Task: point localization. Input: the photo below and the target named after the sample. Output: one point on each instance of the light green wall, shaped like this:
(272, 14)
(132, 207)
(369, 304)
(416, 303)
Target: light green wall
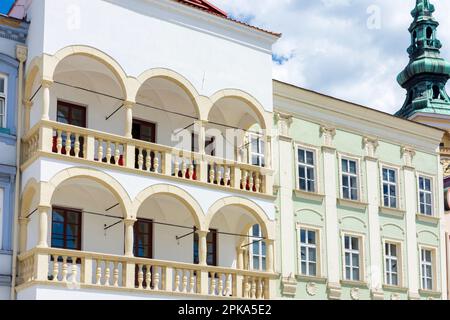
(392, 227)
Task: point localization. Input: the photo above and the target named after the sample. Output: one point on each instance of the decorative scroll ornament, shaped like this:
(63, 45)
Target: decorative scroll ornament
(311, 289)
(370, 145)
(328, 135)
(408, 155)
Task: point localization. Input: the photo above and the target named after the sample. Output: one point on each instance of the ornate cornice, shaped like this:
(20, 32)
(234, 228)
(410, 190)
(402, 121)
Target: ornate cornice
(13, 29)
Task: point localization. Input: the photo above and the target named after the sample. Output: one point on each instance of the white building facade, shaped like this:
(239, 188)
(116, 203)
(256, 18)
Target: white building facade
(131, 188)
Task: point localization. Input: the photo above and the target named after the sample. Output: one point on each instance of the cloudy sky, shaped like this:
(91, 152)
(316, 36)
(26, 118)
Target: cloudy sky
(338, 47)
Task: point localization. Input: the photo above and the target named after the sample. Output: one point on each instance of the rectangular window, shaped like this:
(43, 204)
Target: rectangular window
(425, 196)
(308, 252)
(3, 88)
(143, 239)
(389, 188)
(70, 113)
(349, 179)
(145, 131)
(306, 170)
(352, 258)
(426, 263)
(258, 249)
(74, 115)
(257, 151)
(211, 248)
(66, 228)
(391, 257)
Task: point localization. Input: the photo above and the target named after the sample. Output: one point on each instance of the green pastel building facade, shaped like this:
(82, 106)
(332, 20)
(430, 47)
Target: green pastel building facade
(359, 201)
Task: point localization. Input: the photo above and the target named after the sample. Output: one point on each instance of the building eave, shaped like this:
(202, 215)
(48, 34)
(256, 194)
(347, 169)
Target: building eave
(359, 114)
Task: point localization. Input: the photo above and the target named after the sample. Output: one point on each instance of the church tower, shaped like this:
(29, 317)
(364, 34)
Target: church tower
(427, 73)
(425, 77)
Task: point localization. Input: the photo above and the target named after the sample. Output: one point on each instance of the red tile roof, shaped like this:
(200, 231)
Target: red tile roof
(205, 6)
(209, 8)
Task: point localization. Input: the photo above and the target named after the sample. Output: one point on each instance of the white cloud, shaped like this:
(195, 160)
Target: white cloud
(333, 50)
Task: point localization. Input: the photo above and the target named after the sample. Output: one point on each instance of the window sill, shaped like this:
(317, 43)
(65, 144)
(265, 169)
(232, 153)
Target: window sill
(429, 293)
(309, 195)
(392, 212)
(357, 284)
(317, 279)
(352, 204)
(399, 289)
(427, 219)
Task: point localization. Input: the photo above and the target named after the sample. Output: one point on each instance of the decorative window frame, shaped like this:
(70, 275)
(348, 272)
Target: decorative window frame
(360, 181)
(400, 254)
(434, 196)
(75, 103)
(317, 161)
(434, 258)
(263, 141)
(250, 251)
(399, 185)
(4, 95)
(319, 253)
(362, 255)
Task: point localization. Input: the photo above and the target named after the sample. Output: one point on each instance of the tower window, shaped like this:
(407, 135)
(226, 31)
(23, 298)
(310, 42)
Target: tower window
(429, 33)
(436, 92)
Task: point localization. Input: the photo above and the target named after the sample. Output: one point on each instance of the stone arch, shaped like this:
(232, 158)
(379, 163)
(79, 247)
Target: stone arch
(180, 194)
(48, 189)
(34, 71)
(30, 191)
(253, 103)
(185, 84)
(250, 206)
(50, 63)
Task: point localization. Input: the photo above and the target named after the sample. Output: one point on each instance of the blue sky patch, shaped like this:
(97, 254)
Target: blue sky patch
(5, 6)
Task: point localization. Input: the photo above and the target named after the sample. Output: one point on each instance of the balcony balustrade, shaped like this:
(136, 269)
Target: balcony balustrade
(84, 270)
(80, 144)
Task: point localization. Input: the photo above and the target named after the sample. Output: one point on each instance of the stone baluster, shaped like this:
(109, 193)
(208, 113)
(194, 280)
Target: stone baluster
(156, 277)
(228, 290)
(183, 168)
(116, 274)
(59, 142)
(100, 150)
(176, 168)
(140, 158)
(55, 268)
(244, 179)
(68, 143)
(64, 269)
(156, 163)
(177, 280)
(192, 282)
(77, 145)
(148, 161)
(116, 153)
(107, 273)
(148, 277)
(98, 273)
(108, 152)
(74, 270)
(140, 276)
(250, 181)
(212, 174)
(220, 288)
(213, 283)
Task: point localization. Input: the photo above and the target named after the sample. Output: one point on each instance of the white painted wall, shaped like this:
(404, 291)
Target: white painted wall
(44, 169)
(54, 293)
(166, 247)
(142, 35)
